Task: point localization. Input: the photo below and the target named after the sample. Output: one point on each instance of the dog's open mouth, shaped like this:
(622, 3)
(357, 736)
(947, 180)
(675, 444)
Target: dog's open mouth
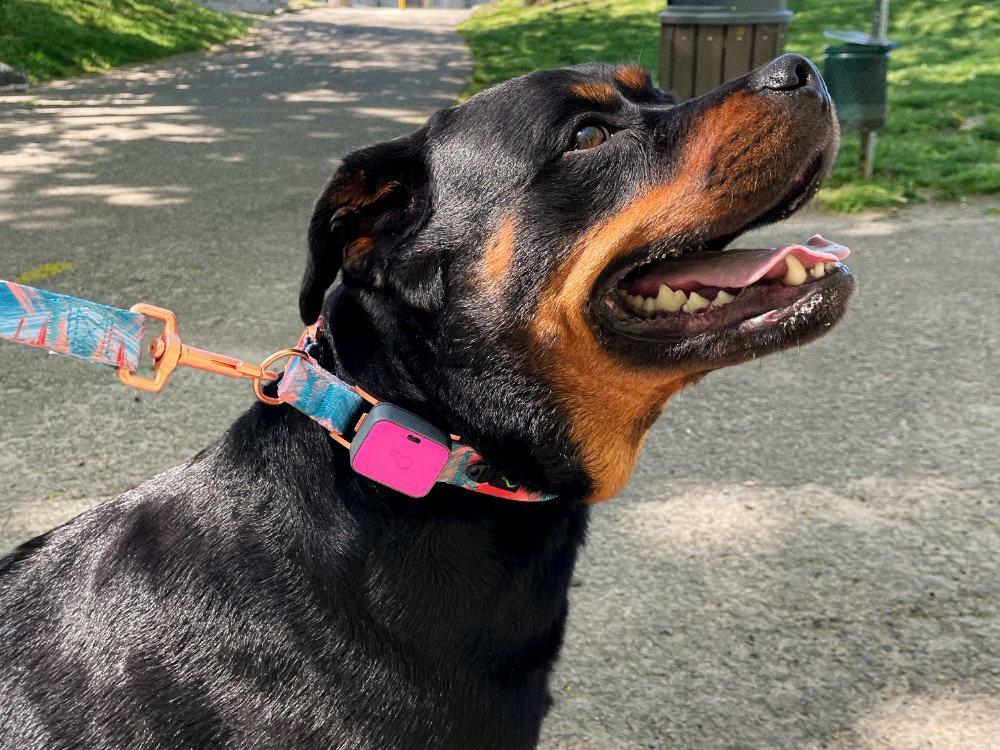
(672, 294)
(710, 290)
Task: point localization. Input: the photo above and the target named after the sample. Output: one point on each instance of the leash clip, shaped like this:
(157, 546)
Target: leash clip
(169, 353)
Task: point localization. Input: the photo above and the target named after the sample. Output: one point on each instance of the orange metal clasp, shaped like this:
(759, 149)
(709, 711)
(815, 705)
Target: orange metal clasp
(168, 353)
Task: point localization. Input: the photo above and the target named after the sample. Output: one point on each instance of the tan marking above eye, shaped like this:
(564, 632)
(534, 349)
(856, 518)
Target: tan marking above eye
(633, 77)
(597, 92)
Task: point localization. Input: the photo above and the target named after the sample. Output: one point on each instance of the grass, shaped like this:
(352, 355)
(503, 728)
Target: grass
(43, 271)
(60, 38)
(943, 136)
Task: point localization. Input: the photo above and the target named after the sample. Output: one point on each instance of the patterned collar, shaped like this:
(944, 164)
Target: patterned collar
(388, 444)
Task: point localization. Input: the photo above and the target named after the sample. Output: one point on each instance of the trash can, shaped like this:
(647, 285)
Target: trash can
(708, 42)
(856, 76)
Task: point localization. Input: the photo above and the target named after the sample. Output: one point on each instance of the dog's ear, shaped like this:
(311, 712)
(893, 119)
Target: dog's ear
(374, 199)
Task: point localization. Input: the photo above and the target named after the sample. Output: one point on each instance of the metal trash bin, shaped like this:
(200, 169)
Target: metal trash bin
(856, 75)
(708, 42)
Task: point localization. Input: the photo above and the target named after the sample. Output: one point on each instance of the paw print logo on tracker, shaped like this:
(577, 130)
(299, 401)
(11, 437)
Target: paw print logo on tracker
(403, 462)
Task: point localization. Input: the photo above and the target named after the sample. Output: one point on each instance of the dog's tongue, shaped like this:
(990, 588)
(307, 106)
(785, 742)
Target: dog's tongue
(734, 269)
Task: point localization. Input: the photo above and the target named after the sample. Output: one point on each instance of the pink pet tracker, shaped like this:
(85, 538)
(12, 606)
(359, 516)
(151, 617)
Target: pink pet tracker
(400, 450)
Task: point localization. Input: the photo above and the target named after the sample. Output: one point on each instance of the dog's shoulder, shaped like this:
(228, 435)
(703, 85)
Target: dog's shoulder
(149, 620)
(65, 574)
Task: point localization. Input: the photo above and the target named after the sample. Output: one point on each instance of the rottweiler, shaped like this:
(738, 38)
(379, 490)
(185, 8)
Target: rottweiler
(538, 270)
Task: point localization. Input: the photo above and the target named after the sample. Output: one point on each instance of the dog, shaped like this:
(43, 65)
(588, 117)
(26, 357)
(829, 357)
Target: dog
(538, 269)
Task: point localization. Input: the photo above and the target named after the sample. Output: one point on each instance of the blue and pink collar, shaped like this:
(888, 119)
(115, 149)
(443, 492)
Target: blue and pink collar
(387, 444)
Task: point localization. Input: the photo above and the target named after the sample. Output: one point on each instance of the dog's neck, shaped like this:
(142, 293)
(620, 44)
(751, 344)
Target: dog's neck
(361, 352)
(391, 356)
(468, 591)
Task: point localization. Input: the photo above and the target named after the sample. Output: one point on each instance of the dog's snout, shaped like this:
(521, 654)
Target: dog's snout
(788, 73)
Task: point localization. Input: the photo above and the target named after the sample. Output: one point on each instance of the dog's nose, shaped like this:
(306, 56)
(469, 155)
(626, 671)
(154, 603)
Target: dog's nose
(788, 73)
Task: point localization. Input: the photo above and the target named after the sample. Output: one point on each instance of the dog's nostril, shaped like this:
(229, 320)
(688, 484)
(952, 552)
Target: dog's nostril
(787, 73)
(801, 75)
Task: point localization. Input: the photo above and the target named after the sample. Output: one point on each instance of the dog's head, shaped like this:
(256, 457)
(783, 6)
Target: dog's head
(540, 268)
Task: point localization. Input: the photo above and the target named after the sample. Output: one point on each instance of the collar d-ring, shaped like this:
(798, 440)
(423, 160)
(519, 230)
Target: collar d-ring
(263, 368)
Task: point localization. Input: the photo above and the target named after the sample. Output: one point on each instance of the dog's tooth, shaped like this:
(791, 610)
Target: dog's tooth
(648, 305)
(634, 301)
(796, 273)
(722, 298)
(622, 293)
(830, 266)
(695, 302)
(664, 297)
(817, 271)
(667, 299)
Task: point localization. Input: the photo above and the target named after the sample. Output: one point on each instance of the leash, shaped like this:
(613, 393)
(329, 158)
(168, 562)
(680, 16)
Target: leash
(387, 444)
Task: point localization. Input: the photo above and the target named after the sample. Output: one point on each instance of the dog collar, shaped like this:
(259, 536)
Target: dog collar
(387, 444)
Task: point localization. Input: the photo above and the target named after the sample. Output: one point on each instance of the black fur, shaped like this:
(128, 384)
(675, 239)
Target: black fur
(262, 595)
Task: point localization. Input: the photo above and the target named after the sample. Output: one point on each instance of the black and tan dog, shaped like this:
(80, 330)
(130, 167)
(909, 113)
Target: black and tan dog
(518, 271)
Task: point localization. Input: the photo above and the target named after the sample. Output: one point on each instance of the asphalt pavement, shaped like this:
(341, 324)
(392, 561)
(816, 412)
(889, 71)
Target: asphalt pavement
(809, 553)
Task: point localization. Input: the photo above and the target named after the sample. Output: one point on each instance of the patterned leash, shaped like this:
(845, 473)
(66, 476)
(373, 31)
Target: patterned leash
(112, 336)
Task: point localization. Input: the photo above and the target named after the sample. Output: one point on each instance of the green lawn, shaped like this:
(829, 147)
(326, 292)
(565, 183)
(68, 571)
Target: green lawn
(943, 137)
(59, 38)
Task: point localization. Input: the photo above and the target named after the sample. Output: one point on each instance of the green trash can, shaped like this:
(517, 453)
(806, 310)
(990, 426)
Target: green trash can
(707, 42)
(856, 75)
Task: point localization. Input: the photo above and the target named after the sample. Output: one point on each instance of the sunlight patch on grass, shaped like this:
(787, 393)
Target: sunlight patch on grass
(59, 38)
(943, 136)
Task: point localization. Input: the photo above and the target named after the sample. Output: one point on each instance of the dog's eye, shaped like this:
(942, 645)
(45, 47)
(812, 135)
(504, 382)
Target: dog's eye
(590, 136)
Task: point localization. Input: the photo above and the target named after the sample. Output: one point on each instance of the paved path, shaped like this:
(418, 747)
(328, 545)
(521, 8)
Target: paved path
(809, 556)
(190, 186)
